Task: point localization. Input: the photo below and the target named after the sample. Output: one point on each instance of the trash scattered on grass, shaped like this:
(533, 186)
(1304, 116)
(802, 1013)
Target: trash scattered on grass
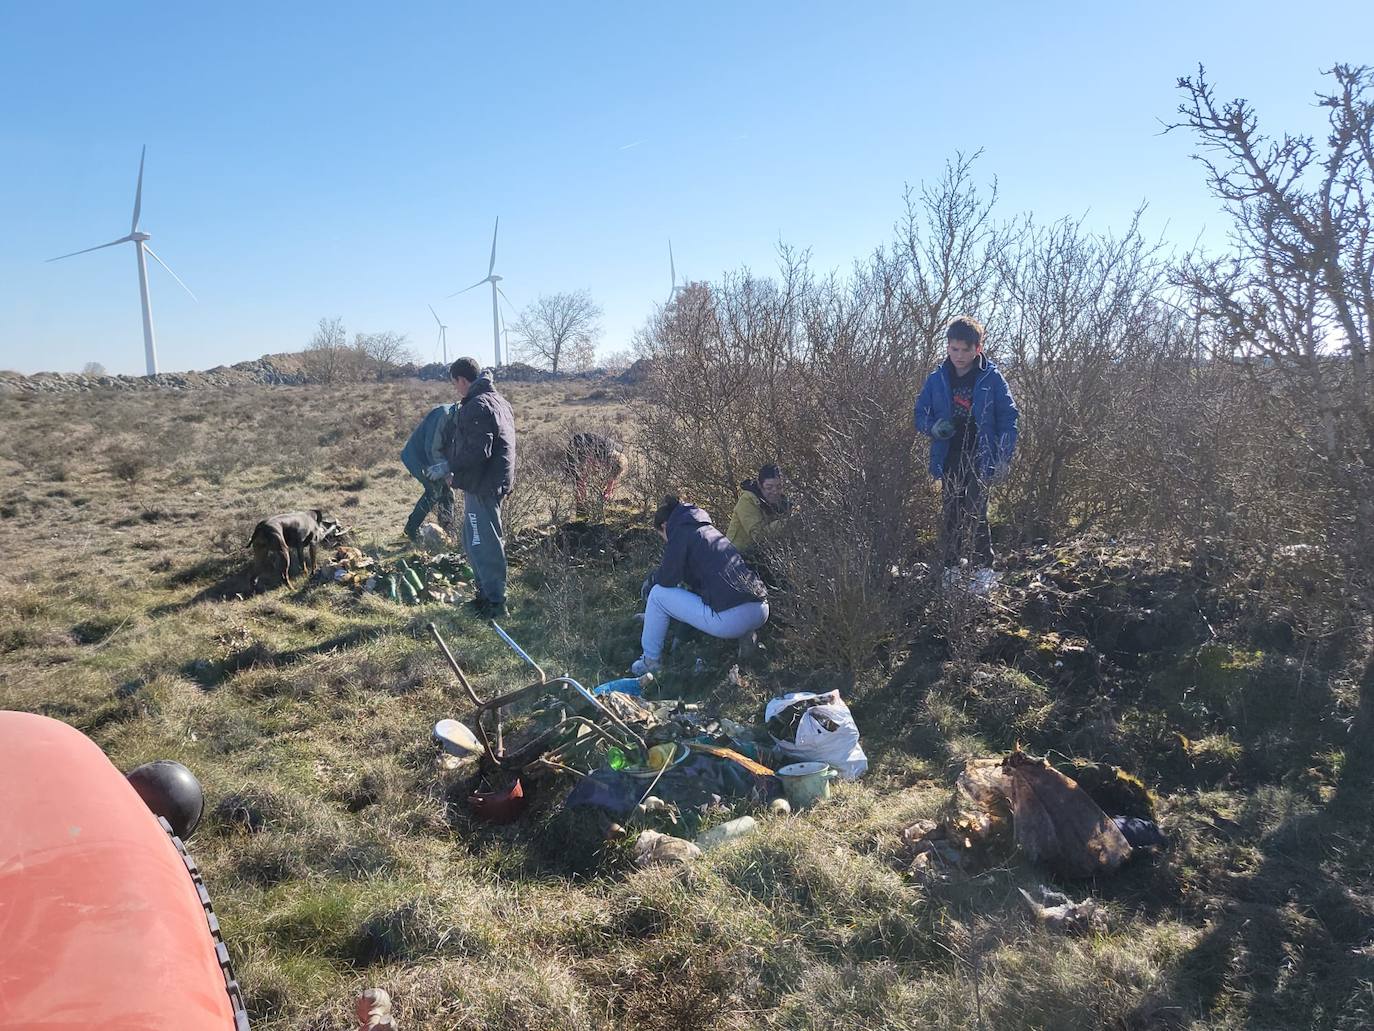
(731, 830)
(411, 580)
(636, 760)
(1059, 824)
(373, 1010)
(819, 727)
(806, 783)
(433, 539)
(653, 847)
(1059, 914)
(1024, 802)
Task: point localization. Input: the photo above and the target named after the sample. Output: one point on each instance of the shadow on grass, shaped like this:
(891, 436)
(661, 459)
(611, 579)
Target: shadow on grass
(210, 674)
(1292, 938)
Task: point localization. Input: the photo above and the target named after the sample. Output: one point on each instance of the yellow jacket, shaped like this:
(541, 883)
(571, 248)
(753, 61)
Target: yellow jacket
(750, 523)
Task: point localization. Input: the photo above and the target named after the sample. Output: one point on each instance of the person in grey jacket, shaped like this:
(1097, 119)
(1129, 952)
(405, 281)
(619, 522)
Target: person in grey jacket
(423, 457)
(481, 459)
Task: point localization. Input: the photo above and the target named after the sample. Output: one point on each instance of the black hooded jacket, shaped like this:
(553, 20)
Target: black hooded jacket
(702, 558)
(482, 453)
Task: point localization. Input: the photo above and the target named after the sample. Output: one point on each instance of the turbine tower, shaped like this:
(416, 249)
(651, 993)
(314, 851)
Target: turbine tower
(672, 270)
(443, 332)
(140, 241)
(493, 279)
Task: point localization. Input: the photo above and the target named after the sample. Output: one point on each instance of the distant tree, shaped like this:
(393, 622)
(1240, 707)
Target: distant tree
(618, 361)
(328, 358)
(559, 330)
(385, 351)
(92, 369)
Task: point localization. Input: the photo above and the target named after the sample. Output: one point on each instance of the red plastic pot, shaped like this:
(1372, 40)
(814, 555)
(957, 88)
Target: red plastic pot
(504, 806)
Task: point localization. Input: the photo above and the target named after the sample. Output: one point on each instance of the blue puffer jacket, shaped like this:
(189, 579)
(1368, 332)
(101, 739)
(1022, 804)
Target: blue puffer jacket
(994, 411)
(426, 445)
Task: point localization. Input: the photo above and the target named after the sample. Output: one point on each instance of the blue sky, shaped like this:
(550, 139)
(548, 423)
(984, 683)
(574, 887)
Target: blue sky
(349, 159)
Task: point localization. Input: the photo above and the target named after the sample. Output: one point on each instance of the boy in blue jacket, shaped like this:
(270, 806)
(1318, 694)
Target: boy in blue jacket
(966, 408)
(423, 457)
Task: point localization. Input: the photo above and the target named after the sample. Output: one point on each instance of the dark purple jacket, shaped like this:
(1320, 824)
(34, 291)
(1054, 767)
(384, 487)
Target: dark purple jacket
(703, 560)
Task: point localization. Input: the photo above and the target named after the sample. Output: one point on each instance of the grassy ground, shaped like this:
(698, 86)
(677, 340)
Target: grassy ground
(339, 857)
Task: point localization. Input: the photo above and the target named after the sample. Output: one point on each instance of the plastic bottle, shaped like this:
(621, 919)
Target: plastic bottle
(729, 831)
(626, 685)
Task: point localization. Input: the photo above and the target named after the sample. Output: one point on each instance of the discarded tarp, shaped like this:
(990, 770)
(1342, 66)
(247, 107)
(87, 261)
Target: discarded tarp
(698, 780)
(1022, 800)
(1057, 823)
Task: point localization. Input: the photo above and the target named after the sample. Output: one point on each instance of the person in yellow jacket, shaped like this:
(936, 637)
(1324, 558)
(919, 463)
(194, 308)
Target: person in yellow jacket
(759, 511)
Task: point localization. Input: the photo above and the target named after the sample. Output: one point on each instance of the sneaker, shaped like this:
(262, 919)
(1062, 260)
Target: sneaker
(644, 665)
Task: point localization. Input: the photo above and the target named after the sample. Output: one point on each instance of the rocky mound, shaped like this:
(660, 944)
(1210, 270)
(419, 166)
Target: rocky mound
(270, 369)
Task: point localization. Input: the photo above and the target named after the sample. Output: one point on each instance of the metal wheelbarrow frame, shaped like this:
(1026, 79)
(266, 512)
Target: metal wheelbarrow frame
(549, 748)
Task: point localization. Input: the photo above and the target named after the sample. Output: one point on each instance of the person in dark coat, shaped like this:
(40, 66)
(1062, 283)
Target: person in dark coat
(702, 581)
(481, 460)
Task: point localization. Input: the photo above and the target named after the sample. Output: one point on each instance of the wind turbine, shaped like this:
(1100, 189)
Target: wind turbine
(140, 241)
(672, 269)
(493, 279)
(443, 331)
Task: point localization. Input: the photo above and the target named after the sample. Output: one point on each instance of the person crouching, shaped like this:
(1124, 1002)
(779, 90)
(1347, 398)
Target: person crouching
(591, 461)
(760, 510)
(719, 594)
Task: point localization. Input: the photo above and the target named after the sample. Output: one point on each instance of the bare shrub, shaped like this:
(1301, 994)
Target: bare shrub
(537, 485)
(820, 376)
(385, 352)
(129, 463)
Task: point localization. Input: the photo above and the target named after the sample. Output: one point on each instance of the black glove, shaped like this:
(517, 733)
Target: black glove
(943, 429)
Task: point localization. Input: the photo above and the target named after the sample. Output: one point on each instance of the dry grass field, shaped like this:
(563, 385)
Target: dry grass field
(339, 857)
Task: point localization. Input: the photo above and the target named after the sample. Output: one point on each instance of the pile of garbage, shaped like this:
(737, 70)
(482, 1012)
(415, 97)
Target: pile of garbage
(1024, 803)
(412, 580)
(661, 765)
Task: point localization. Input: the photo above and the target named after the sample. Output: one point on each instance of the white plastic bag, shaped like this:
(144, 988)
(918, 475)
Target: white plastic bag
(816, 740)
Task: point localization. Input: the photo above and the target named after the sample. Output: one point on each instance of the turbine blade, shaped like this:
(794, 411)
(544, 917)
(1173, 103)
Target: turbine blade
(505, 298)
(138, 193)
(122, 239)
(672, 268)
(171, 273)
(473, 287)
(436, 315)
(492, 267)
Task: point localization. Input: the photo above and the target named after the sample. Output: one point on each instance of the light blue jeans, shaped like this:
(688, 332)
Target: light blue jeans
(668, 603)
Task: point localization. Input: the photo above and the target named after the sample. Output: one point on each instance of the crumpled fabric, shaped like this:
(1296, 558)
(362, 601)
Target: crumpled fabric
(690, 783)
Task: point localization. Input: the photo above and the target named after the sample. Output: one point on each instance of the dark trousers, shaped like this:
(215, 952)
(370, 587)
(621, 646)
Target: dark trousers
(438, 496)
(964, 498)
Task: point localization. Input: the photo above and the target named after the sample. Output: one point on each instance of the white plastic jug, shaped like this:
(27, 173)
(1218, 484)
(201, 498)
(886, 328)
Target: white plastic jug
(729, 831)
